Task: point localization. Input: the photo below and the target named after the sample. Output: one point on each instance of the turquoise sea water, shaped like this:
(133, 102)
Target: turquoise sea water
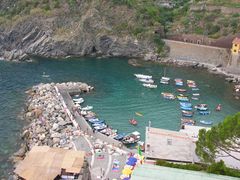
(117, 96)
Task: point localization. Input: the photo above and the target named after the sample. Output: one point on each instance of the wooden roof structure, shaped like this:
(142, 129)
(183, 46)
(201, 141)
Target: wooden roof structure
(43, 162)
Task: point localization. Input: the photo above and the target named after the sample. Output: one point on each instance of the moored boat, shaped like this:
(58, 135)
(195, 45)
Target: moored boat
(133, 122)
(143, 76)
(169, 96)
(181, 90)
(120, 136)
(195, 89)
(196, 94)
(183, 98)
(186, 121)
(165, 80)
(206, 122)
(87, 108)
(195, 98)
(150, 85)
(202, 107)
(131, 138)
(78, 100)
(186, 108)
(148, 81)
(185, 104)
(187, 113)
(219, 107)
(204, 112)
(100, 127)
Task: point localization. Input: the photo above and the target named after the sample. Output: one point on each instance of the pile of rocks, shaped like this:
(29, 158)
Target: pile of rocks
(49, 123)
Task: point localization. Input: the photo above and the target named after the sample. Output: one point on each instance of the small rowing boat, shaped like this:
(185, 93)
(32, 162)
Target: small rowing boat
(186, 121)
(196, 94)
(138, 114)
(204, 112)
(187, 113)
(133, 122)
(181, 90)
(195, 98)
(183, 98)
(165, 80)
(195, 89)
(186, 108)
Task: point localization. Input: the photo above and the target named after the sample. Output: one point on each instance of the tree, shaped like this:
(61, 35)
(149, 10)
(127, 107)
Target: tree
(223, 139)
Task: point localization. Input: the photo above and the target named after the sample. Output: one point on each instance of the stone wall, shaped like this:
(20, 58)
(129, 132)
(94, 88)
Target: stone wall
(198, 53)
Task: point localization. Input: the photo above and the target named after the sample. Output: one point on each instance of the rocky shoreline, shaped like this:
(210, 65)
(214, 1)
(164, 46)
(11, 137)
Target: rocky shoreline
(49, 123)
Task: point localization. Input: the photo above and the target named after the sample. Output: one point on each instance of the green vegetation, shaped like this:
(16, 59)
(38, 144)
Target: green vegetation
(142, 19)
(221, 138)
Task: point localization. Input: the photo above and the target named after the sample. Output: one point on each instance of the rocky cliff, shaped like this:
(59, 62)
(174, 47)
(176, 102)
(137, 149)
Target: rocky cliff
(88, 28)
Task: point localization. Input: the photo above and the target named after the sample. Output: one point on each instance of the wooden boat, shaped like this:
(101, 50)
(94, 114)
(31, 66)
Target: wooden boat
(131, 138)
(150, 85)
(169, 96)
(186, 121)
(187, 113)
(202, 107)
(181, 90)
(204, 112)
(206, 122)
(143, 76)
(133, 122)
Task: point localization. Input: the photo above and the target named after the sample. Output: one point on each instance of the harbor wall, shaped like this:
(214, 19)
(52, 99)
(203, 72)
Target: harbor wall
(198, 53)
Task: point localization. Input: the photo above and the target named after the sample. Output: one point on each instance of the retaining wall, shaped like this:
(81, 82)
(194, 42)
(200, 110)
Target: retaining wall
(198, 53)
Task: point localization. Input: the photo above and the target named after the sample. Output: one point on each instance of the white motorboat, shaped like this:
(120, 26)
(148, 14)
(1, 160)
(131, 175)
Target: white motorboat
(78, 100)
(149, 85)
(87, 108)
(142, 76)
(83, 112)
(131, 138)
(149, 81)
(165, 80)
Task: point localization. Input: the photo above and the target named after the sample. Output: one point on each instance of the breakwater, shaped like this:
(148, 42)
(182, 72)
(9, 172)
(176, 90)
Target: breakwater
(50, 123)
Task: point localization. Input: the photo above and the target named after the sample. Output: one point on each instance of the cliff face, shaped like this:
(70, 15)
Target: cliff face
(87, 29)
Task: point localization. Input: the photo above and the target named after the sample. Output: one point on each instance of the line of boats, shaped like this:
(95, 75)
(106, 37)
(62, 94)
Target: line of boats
(147, 80)
(100, 125)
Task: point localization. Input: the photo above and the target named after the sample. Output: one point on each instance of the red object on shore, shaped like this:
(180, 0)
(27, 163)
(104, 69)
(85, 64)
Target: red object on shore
(219, 107)
(133, 122)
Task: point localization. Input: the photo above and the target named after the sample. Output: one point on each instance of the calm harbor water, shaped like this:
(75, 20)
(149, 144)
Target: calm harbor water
(117, 96)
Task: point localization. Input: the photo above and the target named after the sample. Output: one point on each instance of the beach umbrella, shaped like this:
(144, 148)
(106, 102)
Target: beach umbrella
(126, 171)
(133, 159)
(131, 163)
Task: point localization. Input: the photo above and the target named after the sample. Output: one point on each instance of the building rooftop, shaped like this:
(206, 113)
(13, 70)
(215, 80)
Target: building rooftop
(170, 145)
(153, 172)
(43, 162)
(236, 40)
